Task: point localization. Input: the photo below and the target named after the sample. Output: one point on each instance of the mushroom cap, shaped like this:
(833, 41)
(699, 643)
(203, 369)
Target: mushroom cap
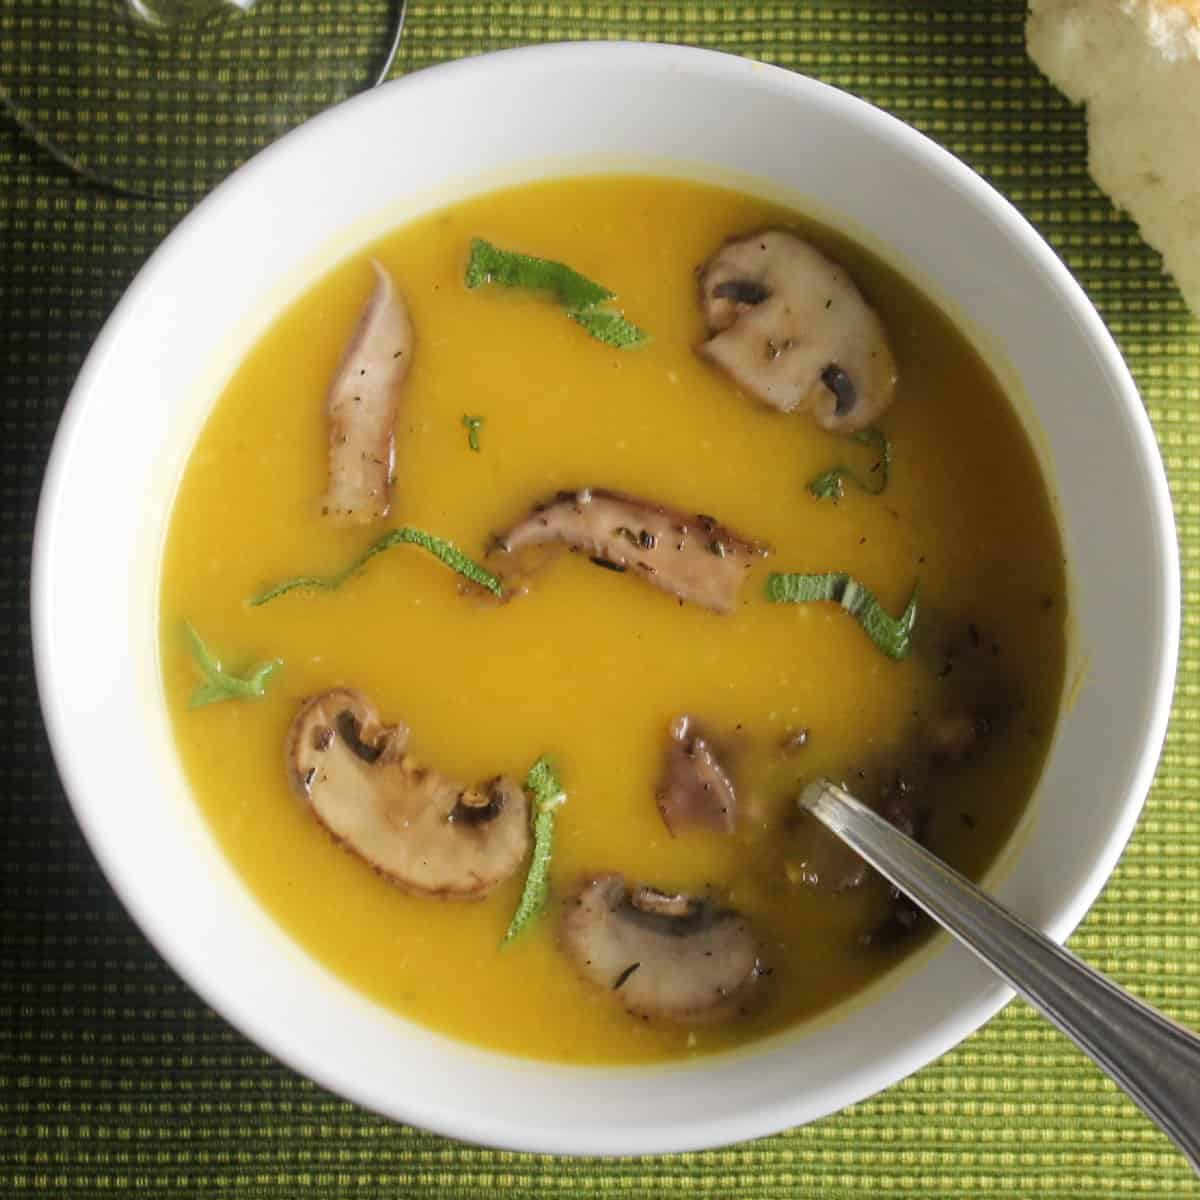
(423, 831)
(788, 324)
(690, 555)
(666, 957)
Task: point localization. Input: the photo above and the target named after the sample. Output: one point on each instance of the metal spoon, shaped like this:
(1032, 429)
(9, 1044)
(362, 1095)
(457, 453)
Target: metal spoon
(1150, 1057)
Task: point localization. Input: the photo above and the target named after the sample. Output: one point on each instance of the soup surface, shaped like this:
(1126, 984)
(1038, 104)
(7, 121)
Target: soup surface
(590, 666)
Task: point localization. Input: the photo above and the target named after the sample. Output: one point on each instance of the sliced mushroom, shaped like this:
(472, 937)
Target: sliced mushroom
(977, 700)
(690, 555)
(360, 408)
(789, 325)
(819, 859)
(666, 957)
(695, 790)
(420, 829)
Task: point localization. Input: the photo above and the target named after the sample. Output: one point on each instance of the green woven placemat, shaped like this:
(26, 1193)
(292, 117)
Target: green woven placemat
(157, 107)
(116, 1081)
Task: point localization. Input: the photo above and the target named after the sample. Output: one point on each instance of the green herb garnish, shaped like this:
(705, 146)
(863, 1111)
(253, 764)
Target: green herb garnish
(578, 295)
(829, 485)
(608, 327)
(472, 425)
(220, 684)
(893, 635)
(547, 796)
(441, 549)
(490, 264)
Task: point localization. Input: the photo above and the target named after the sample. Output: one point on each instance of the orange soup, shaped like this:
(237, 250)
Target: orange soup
(698, 613)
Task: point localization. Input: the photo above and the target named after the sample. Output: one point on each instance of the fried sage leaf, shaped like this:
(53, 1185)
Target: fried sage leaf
(578, 295)
(828, 485)
(547, 795)
(472, 425)
(893, 635)
(220, 684)
(444, 551)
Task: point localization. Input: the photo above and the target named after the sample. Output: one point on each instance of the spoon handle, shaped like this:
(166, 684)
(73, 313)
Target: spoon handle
(1154, 1060)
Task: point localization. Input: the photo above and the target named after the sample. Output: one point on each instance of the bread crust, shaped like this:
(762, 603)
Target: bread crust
(1135, 64)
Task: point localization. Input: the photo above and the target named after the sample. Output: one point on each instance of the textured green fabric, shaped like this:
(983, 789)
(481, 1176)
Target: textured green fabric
(176, 105)
(116, 1082)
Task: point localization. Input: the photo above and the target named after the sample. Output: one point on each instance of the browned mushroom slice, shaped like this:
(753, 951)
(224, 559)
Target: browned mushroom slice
(819, 859)
(423, 831)
(695, 791)
(690, 555)
(789, 325)
(360, 408)
(666, 957)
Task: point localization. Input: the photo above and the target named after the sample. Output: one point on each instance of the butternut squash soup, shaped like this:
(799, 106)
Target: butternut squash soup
(535, 560)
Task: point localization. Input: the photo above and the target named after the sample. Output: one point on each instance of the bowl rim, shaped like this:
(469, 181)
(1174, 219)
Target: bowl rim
(506, 1130)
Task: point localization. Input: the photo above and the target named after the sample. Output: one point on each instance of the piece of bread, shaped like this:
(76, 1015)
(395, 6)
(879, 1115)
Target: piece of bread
(1136, 65)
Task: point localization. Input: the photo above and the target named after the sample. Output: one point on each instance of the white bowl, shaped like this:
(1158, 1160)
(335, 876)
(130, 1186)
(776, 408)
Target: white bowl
(254, 244)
